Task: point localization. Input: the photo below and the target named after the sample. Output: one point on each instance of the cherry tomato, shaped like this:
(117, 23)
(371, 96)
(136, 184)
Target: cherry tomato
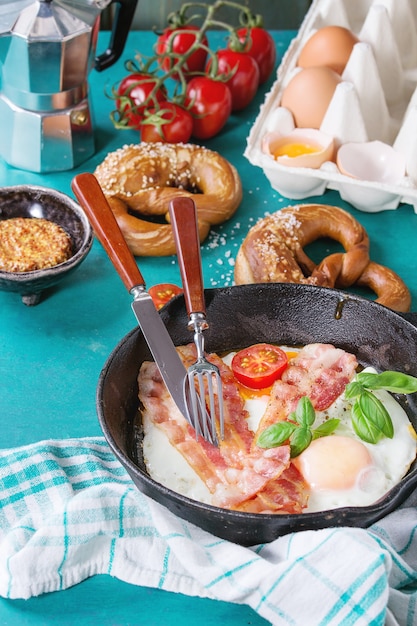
(133, 91)
(210, 103)
(244, 82)
(163, 293)
(260, 47)
(260, 365)
(178, 41)
(170, 124)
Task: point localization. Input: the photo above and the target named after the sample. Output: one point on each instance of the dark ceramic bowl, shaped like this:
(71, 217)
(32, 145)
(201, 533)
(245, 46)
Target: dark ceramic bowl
(238, 316)
(33, 201)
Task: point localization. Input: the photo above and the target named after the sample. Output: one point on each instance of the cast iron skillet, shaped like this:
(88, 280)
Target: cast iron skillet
(289, 314)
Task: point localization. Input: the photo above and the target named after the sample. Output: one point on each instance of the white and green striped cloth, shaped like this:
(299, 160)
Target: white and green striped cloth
(68, 510)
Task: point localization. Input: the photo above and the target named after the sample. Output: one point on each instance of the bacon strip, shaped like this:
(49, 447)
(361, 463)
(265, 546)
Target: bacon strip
(319, 371)
(234, 472)
(239, 474)
(287, 495)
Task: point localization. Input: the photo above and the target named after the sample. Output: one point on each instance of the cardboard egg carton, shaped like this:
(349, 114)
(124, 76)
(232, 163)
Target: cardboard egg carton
(376, 100)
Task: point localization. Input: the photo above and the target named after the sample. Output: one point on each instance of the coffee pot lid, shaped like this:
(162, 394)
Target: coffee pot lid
(45, 20)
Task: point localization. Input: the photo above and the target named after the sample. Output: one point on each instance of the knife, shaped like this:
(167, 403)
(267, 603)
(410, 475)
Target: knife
(92, 199)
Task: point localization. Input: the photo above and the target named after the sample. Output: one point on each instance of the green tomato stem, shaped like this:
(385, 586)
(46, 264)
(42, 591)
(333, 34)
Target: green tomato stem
(151, 66)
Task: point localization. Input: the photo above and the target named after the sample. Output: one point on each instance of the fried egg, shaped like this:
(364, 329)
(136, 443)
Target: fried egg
(343, 470)
(340, 469)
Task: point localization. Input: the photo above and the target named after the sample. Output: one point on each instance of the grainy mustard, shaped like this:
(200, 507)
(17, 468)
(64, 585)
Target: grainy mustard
(28, 244)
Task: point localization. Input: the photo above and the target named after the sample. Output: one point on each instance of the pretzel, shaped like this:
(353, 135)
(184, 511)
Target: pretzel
(273, 249)
(388, 286)
(273, 252)
(140, 180)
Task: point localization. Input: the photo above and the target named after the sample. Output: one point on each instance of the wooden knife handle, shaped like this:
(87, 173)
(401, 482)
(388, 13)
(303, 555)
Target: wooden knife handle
(92, 199)
(183, 216)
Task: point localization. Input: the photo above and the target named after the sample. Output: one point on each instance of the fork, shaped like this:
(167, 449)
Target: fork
(204, 382)
(90, 195)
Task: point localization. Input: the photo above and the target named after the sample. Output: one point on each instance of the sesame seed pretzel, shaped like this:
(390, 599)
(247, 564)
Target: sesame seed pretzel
(140, 180)
(273, 252)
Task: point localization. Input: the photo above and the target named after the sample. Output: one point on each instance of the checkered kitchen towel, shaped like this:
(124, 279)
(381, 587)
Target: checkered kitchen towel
(68, 511)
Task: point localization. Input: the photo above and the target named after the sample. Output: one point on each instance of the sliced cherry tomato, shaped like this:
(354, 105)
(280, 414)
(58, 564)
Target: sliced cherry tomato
(134, 90)
(163, 293)
(261, 47)
(176, 42)
(170, 124)
(260, 365)
(210, 103)
(244, 80)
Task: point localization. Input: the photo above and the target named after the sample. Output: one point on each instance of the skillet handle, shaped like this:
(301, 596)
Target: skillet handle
(183, 216)
(92, 199)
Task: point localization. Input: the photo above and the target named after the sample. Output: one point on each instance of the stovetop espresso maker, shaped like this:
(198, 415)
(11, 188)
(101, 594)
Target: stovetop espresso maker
(47, 49)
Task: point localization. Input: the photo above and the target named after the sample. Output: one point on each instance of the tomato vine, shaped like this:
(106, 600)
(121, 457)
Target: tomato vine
(182, 55)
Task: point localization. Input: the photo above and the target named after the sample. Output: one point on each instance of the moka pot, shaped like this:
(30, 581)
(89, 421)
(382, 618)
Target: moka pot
(47, 49)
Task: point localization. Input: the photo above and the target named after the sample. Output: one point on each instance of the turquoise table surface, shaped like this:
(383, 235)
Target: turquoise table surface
(51, 355)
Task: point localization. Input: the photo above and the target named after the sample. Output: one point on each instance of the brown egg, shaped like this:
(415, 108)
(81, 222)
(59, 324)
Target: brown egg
(308, 95)
(330, 46)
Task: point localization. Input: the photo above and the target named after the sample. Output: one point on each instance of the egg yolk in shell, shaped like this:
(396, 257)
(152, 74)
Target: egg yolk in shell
(296, 149)
(334, 462)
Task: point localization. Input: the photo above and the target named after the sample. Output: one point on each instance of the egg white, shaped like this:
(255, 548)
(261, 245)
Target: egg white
(391, 458)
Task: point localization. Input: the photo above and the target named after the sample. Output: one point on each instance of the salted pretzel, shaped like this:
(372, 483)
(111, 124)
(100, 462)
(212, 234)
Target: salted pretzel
(388, 286)
(140, 180)
(273, 249)
(273, 252)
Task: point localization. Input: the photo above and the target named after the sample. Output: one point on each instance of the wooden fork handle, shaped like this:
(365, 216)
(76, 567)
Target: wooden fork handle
(92, 199)
(183, 216)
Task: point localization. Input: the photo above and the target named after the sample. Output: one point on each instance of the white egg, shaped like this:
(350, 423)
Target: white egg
(341, 469)
(167, 466)
(255, 408)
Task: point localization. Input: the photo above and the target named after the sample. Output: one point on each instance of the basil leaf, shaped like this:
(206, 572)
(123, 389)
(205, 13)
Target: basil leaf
(300, 440)
(364, 428)
(305, 413)
(327, 428)
(373, 408)
(276, 434)
(370, 419)
(395, 382)
(353, 389)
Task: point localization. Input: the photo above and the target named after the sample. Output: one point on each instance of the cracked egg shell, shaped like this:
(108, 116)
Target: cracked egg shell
(301, 148)
(372, 161)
